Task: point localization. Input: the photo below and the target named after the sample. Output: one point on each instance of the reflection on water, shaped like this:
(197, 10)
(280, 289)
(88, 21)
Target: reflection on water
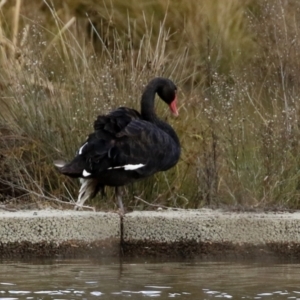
(136, 279)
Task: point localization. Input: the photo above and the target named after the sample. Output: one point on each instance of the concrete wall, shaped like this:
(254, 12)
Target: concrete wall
(184, 233)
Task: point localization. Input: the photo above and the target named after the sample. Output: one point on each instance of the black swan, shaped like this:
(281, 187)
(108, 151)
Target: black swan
(126, 146)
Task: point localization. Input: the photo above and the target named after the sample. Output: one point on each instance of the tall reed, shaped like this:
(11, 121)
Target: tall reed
(237, 69)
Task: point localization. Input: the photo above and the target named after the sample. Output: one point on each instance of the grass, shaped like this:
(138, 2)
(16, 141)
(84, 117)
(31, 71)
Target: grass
(236, 67)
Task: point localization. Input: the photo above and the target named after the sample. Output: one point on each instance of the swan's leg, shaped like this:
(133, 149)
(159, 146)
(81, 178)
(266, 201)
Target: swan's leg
(119, 194)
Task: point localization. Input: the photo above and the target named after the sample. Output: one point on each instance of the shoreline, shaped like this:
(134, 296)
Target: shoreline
(166, 233)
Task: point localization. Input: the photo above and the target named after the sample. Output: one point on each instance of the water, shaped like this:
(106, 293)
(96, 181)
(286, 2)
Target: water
(140, 279)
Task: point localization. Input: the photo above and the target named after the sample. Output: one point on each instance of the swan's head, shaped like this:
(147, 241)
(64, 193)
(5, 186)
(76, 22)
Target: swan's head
(168, 93)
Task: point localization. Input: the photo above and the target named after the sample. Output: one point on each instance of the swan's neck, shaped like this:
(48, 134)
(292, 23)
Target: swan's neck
(148, 111)
(147, 105)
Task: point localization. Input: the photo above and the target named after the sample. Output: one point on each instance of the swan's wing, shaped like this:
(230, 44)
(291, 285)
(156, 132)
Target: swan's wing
(115, 121)
(138, 146)
(143, 143)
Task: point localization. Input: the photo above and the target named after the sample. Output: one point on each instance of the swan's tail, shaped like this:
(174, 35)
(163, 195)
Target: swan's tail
(73, 169)
(89, 187)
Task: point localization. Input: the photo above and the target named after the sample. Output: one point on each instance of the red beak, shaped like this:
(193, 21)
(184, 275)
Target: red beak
(173, 107)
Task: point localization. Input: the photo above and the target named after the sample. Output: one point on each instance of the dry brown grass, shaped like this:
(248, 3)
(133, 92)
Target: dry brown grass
(237, 68)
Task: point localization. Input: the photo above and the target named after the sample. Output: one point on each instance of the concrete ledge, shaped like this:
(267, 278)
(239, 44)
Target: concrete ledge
(58, 233)
(184, 233)
(211, 232)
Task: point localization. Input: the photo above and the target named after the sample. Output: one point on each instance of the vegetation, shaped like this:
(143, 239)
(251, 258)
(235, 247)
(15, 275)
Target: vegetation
(236, 64)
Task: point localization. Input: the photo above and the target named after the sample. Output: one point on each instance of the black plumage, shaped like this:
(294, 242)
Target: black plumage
(126, 145)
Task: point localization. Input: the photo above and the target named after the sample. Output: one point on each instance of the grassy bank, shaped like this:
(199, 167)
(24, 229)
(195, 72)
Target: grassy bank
(236, 67)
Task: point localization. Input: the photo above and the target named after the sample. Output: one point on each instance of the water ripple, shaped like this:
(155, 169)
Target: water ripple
(161, 280)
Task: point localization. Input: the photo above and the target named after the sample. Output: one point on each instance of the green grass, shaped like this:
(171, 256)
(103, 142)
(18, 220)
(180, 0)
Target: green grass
(237, 70)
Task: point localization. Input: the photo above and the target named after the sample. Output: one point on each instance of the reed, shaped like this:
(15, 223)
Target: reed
(237, 69)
